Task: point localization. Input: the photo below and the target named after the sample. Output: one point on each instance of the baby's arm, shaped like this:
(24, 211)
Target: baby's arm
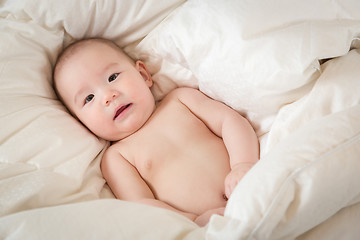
(238, 135)
(127, 184)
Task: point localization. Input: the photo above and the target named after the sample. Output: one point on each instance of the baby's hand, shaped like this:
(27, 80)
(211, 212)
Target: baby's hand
(232, 179)
(204, 218)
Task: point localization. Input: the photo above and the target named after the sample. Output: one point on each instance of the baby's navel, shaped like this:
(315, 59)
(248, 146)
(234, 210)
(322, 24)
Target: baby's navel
(225, 197)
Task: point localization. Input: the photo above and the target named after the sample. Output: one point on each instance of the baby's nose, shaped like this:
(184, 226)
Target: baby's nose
(109, 97)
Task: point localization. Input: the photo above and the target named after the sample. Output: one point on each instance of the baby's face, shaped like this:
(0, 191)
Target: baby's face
(106, 91)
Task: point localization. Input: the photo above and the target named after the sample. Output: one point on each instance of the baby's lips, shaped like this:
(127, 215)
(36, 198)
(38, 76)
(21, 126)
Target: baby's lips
(120, 110)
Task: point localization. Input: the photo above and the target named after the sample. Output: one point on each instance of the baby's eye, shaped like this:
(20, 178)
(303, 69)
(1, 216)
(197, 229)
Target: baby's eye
(113, 77)
(89, 98)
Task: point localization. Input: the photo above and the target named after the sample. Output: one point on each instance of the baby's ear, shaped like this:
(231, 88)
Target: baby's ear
(141, 67)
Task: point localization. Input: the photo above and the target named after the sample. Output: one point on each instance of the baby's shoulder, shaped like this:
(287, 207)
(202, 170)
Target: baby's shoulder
(181, 93)
(117, 151)
(114, 148)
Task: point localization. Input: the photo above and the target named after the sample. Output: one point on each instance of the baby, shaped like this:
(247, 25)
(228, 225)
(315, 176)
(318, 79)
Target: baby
(185, 153)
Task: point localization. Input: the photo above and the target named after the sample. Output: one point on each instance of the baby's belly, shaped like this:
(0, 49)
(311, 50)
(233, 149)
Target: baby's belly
(192, 180)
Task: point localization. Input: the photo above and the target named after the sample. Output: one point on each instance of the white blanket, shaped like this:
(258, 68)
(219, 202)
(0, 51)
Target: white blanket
(259, 57)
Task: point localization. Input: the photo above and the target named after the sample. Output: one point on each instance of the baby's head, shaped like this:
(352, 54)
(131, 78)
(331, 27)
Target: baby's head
(104, 88)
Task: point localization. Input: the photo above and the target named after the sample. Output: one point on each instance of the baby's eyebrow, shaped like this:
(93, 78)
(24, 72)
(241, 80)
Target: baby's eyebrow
(108, 67)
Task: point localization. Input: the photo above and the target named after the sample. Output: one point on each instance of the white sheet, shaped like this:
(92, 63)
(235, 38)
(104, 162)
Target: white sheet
(263, 64)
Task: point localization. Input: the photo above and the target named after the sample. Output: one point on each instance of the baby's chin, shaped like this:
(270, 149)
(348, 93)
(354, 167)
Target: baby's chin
(115, 134)
(113, 137)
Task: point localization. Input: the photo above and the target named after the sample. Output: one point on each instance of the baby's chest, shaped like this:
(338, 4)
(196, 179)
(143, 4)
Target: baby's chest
(177, 125)
(172, 136)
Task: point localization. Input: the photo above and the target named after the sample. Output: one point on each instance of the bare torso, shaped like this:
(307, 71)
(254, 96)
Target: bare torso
(181, 160)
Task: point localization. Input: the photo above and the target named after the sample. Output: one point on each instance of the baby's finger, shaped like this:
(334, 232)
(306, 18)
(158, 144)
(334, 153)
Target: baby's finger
(233, 185)
(227, 191)
(228, 187)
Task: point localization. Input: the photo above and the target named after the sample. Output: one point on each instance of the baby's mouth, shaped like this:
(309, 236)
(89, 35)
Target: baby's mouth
(121, 109)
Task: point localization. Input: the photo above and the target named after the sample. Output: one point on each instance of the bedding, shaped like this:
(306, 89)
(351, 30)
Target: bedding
(262, 58)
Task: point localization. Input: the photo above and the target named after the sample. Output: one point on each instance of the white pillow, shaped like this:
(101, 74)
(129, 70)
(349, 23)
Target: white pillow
(255, 56)
(47, 157)
(122, 21)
